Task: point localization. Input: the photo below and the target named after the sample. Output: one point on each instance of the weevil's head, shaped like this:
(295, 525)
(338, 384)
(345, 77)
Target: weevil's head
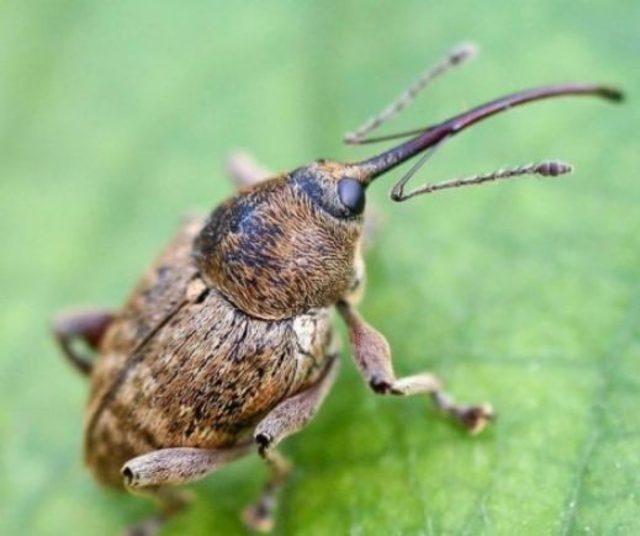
(288, 244)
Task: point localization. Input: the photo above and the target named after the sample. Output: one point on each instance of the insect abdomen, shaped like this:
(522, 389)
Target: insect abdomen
(204, 380)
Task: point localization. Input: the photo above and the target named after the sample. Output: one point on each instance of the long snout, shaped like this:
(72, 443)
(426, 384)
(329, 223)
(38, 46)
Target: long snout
(434, 135)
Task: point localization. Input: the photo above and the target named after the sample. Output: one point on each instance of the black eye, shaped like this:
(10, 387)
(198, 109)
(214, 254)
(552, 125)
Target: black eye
(351, 194)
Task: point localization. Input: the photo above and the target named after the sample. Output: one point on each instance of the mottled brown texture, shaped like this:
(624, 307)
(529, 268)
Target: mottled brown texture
(226, 342)
(283, 246)
(184, 367)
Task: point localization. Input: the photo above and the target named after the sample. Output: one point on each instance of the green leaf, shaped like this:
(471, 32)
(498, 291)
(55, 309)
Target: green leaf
(115, 119)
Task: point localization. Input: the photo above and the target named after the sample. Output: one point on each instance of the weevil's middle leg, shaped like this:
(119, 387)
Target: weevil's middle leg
(287, 418)
(373, 357)
(259, 515)
(88, 326)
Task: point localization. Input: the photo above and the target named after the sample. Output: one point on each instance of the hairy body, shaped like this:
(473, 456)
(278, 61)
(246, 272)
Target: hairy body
(181, 366)
(226, 342)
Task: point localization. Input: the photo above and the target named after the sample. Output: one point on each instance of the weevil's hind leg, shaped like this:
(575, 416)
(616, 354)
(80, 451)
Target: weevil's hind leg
(152, 475)
(88, 326)
(245, 171)
(373, 357)
(287, 418)
(169, 501)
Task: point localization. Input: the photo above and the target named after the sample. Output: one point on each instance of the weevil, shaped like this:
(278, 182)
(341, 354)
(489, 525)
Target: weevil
(226, 344)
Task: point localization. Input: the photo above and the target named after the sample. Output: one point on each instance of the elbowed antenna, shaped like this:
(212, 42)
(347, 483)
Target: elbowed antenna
(548, 168)
(457, 56)
(434, 135)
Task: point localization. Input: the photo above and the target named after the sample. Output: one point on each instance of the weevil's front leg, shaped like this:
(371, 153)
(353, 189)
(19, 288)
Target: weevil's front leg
(287, 418)
(88, 326)
(152, 475)
(373, 357)
(245, 171)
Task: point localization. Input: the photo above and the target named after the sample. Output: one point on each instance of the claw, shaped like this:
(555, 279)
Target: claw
(257, 517)
(476, 418)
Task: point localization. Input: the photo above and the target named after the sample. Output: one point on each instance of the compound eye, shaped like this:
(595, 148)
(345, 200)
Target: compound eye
(351, 193)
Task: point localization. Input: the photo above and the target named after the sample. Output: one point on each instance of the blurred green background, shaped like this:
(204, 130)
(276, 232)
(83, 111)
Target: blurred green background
(115, 119)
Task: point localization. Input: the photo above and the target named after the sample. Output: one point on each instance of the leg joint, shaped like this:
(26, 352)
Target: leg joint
(383, 387)
(264, 442)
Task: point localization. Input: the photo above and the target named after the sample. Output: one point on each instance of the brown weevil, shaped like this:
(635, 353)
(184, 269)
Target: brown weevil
(226, 344)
